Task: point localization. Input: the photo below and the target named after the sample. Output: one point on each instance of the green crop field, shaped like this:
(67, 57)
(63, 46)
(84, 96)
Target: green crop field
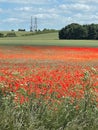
(44, 39)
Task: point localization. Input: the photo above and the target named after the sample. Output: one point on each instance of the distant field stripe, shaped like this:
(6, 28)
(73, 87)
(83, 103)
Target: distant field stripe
(47, 39)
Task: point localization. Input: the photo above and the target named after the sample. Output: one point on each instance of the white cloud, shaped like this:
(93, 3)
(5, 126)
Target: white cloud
(45, 16)
(11, 20)
(26, 8)
(76, 7)
(81, 7)
(80, 1)
(89, 1)
(39, 12)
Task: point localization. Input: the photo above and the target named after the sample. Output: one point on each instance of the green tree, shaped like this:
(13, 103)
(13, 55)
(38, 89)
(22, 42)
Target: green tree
(92, 34)
(1, 35)
(77, 31)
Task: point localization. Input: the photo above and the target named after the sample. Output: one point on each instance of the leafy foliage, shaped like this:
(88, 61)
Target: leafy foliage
(1, 35)
(76, 31)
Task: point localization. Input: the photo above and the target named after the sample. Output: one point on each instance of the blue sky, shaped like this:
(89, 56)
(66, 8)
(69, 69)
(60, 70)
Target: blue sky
(55, 14)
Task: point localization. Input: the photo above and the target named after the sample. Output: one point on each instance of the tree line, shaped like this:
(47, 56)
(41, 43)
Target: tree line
(77, 31)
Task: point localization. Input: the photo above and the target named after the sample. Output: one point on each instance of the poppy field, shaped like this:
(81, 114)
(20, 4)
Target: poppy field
(48, 88)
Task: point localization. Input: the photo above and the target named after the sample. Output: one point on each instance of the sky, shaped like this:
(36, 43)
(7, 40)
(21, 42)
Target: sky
(50, 14)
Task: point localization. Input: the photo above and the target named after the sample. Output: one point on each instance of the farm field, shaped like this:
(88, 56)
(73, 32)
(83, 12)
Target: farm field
(48, 88)
(47, 39)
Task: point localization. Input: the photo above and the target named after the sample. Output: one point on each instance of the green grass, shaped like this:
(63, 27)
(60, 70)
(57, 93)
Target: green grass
(45, 39)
